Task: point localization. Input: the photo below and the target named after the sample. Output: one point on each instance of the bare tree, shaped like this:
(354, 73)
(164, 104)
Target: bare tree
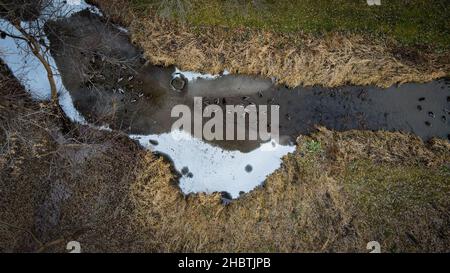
(24, 16)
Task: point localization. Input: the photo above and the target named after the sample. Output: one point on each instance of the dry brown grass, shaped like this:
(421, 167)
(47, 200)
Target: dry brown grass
(42, 166)
(317, 201)
(294, 59)
(335, 193)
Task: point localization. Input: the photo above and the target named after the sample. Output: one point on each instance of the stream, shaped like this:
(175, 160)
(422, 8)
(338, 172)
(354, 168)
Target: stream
(105, 81)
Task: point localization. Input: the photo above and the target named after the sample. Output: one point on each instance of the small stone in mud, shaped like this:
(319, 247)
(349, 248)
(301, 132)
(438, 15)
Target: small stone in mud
(226, 198)
(431, 114)
(226, 195)
(153, 142)
(185, 171)
(190, 175)
(178, 83)
(427, 123)
(249, 168)
(444, 118)
(419, 107)
(422, 99)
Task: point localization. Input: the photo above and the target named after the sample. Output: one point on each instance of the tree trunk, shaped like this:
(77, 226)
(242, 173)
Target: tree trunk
(36, 50)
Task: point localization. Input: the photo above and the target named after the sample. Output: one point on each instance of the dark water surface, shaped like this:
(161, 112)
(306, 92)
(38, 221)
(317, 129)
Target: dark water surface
(110, 82)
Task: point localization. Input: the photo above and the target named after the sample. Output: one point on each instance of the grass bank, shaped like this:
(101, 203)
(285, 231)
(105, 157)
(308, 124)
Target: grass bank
(417, 22)
(338, 46)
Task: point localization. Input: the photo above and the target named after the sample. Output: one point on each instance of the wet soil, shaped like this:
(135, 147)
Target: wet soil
(111, 83)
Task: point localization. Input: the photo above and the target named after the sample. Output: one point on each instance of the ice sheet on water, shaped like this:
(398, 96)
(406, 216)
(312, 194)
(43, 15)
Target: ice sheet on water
(214, 169)
(31, 73)
(192, 76)
(27, 68)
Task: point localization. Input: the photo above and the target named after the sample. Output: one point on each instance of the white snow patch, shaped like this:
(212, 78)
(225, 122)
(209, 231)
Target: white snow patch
(31, 73)
(122, 29)
(27, 68)
(215, 169)
(68, 7)
(192, 76)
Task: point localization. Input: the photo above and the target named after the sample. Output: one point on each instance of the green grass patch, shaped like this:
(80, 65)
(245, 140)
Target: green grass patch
(397, 199)
(395, 188)
(415, 22)
(313, 146)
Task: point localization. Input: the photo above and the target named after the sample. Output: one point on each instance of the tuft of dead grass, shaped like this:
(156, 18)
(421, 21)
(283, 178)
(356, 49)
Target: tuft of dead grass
(292, 58)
